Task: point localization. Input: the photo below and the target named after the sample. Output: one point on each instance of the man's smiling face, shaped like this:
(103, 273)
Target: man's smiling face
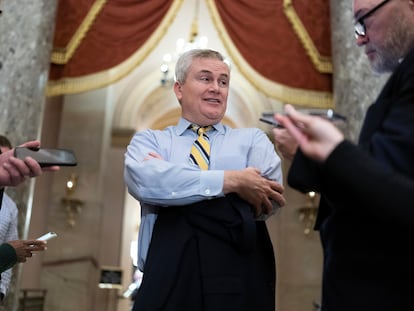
(203, 95)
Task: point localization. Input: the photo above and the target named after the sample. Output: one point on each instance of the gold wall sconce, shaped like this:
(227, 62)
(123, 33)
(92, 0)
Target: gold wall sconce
(307, 213)
(72, 206)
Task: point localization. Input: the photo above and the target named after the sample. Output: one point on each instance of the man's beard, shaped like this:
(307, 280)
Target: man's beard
(394, 48)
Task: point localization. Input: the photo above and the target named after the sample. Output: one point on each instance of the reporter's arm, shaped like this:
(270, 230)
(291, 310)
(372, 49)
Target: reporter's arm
(8, 257)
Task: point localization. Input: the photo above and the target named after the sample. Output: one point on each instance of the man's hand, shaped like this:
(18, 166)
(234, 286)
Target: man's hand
(316, 137)
(285, 143)
(33, 164)
(24, 248)
(14, 171)
(255, 189)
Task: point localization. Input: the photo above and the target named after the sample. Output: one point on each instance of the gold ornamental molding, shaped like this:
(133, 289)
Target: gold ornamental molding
(278, 91)
(322, 63)
(111, 75)
(61, 55)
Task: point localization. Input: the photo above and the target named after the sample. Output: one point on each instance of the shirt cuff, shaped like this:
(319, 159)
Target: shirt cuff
(211, 183)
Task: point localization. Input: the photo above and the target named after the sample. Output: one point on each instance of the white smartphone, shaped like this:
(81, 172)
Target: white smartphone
(47, 236)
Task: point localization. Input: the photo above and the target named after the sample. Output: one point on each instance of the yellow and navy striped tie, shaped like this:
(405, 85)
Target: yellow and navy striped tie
(200, 151)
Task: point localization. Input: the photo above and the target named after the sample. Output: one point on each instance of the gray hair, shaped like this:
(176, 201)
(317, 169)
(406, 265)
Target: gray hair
(185, 60)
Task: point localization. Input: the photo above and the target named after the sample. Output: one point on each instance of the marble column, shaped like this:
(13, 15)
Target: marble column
(355, 84)
(26, 33)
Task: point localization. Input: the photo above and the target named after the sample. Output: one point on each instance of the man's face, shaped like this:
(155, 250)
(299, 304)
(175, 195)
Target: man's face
(203, 95)
(388, 32)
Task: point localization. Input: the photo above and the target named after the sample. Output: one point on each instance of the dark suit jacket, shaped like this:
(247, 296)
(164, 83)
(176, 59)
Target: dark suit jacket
(207, 256)
(367, 223)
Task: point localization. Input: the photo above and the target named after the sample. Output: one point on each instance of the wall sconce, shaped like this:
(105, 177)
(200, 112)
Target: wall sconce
(71, 205)
(307, 213)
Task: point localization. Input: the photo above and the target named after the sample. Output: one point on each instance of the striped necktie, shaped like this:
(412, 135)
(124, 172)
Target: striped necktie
(200, 151)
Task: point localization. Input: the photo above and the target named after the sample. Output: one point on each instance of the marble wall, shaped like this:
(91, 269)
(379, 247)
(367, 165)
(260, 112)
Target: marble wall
(26, 31)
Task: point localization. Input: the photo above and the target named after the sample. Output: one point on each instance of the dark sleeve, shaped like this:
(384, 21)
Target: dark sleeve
(304, 174)
(353, 172)
(8, 257)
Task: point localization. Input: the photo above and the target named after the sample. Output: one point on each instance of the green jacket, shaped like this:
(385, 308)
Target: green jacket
(8, 257)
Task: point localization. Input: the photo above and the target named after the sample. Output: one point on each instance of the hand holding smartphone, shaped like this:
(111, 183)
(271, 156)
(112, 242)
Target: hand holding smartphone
(47, 157)
(44, 237)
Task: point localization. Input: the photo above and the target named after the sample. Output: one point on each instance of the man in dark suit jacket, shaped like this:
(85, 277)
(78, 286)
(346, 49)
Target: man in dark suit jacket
(366, 231)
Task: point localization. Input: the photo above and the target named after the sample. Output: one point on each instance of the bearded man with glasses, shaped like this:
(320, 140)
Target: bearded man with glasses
(366, 225)
(386, 31)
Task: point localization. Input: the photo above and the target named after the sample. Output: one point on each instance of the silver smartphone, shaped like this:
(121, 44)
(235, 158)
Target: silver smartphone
(47, 157)
(328, 114)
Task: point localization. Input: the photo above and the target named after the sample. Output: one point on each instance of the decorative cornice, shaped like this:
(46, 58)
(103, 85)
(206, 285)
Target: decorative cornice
(61, 55)
(107, 77)
(283, 93)
(322, 63)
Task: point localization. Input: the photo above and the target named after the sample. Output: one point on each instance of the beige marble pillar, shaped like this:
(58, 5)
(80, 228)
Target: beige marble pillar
(26, 32)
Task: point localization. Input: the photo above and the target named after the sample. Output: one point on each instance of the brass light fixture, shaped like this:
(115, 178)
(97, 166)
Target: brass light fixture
(307, 213)
(72, 206)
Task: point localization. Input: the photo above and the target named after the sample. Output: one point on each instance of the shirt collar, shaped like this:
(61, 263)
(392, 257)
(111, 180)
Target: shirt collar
(183, 125)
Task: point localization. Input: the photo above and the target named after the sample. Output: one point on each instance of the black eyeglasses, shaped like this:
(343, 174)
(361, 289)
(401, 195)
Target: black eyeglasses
(359, 26)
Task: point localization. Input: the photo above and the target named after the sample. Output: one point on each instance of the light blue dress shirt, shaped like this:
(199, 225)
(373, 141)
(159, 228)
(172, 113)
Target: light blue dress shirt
(174, 181)
(8, 232)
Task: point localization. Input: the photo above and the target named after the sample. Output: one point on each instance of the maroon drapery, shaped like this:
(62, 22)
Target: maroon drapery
(119, 29)
(259, 29)
(264, 36)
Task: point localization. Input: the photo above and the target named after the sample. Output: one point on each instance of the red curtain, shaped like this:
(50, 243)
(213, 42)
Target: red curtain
(264, 36)
(260, 30)
(120, 28)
